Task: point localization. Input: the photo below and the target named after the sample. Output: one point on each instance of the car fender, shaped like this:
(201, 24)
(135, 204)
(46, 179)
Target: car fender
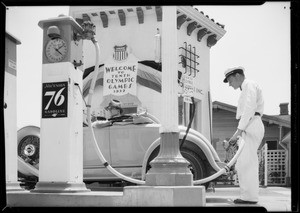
(147, 155)
(193, 136)
(204, 139)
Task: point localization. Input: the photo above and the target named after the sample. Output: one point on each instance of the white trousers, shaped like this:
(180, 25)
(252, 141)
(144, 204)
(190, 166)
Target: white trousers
(247, 165)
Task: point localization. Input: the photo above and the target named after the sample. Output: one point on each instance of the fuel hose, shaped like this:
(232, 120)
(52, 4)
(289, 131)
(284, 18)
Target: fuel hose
(226, 168)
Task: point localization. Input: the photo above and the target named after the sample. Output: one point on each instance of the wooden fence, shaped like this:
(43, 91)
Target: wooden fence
(272, 167)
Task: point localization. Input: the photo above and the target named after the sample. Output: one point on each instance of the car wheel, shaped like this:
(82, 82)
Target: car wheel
(196, 165)
(29, 145)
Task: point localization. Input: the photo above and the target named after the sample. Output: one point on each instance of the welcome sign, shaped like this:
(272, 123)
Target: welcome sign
(120, 77)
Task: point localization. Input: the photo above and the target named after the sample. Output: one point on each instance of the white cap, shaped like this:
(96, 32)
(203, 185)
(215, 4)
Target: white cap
(231, 71)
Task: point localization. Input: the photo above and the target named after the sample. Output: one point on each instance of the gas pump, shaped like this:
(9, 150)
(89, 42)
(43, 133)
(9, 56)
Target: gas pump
(9, 112)
(61, 158)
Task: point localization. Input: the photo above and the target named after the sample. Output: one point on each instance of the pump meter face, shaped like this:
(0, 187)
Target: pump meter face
(56, 50)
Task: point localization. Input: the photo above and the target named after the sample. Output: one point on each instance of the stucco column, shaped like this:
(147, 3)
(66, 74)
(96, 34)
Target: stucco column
(169, 168)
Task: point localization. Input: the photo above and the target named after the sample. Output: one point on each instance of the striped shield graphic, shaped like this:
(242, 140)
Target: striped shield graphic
(120, 53)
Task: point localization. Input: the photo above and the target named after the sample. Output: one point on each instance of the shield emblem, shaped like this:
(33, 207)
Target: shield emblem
(120, 53)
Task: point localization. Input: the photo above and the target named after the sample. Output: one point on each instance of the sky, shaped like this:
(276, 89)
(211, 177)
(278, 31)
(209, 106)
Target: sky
(257, 38)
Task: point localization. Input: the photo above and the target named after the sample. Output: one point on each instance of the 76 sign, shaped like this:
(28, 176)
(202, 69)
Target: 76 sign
(55, 100)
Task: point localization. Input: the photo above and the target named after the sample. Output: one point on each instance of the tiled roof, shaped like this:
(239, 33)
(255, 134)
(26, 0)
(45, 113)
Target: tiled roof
(221, 25)
(194, 20)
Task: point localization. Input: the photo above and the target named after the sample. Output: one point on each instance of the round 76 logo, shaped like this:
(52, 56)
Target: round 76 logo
(55, 100)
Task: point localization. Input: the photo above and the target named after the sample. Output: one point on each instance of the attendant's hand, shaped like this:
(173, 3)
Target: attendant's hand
(235, 136)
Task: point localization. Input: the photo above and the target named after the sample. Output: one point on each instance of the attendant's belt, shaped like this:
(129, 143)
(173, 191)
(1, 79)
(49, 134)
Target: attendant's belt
(257, 113)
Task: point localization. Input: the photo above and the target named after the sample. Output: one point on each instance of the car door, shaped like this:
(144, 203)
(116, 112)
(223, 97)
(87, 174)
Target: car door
(129, 143)
(90, 157)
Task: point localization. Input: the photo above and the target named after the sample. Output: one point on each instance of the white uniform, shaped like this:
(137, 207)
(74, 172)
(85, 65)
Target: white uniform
(247, 165)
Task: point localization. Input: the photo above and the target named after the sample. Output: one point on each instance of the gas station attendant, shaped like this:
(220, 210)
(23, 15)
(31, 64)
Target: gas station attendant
(250, 127)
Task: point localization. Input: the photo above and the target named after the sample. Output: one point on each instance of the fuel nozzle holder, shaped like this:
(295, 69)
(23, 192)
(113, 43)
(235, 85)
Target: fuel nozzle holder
(88, 30)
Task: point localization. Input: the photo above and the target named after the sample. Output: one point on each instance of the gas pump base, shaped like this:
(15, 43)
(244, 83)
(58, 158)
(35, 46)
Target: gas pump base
(59, 187)
(13, 186)
(164, 196)
(132, 196)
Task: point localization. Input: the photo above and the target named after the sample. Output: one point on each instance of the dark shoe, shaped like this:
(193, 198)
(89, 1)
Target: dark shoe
(240, 201)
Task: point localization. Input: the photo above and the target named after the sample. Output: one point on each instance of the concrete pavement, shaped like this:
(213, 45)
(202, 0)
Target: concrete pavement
(271, 198)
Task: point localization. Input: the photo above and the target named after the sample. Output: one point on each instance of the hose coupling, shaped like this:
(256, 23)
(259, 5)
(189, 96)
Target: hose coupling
(227, 168)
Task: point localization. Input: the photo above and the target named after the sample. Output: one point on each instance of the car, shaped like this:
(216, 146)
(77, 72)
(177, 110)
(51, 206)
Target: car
(129, 144)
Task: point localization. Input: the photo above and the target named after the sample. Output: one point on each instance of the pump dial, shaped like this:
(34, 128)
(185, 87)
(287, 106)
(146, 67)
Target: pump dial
(56, 50)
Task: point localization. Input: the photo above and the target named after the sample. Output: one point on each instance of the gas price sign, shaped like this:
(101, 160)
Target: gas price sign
(55, 100)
